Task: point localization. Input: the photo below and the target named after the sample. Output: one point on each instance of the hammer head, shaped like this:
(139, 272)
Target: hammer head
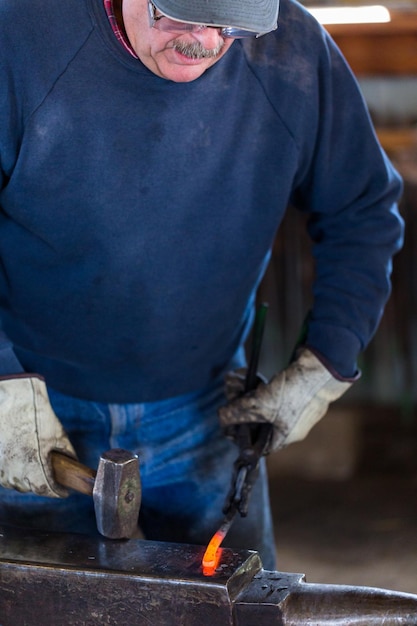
(117, 494)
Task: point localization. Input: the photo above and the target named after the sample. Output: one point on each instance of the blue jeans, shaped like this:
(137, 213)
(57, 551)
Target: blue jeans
(185, 465)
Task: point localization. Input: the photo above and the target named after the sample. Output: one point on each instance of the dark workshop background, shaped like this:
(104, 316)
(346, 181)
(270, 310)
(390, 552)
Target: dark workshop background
(344, 500)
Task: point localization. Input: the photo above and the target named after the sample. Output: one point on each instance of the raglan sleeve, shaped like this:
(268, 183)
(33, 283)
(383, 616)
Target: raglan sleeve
(350, 192)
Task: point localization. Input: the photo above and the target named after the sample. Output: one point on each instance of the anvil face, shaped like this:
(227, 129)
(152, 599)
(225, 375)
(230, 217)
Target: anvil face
(73, 579)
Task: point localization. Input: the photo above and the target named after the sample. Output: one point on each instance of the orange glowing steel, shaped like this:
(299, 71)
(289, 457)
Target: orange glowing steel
(212, 554)
(209, 558)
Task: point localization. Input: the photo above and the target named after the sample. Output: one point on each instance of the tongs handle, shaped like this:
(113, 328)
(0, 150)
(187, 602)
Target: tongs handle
(251, 439)
(246, 435)
(258, 332)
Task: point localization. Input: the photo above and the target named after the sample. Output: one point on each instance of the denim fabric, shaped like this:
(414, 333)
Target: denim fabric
(185, 466)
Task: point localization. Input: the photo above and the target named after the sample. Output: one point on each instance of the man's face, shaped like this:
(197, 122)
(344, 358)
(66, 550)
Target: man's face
(180, 57)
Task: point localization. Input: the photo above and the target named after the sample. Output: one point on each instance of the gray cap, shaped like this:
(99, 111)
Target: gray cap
(260, 16)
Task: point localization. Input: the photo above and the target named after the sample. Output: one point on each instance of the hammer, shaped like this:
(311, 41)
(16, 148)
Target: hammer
(115, 488)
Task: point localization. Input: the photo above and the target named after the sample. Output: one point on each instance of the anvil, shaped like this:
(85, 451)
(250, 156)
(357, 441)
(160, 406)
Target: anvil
(70, 579)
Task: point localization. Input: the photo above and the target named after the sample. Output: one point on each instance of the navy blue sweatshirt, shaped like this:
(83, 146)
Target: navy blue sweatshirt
(138, 214)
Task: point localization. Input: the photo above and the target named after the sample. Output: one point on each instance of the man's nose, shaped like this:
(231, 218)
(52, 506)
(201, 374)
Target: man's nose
(208, 37)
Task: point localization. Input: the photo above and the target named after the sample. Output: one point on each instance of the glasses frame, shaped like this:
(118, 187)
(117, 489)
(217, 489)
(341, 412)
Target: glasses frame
(177, 26)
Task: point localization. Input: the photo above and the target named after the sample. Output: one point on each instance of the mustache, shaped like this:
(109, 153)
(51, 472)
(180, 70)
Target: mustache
(195, 50)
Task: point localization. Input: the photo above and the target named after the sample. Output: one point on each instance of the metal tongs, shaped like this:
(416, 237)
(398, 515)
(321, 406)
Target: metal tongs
(251, 439)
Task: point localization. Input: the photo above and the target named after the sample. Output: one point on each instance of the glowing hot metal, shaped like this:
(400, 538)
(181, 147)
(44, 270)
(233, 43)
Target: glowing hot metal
(212, 554)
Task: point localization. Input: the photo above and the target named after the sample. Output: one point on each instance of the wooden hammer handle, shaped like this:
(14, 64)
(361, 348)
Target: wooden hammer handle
(68, 472)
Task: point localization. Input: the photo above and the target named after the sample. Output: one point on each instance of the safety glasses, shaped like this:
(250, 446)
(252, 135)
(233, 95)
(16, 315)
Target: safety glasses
(166, 24)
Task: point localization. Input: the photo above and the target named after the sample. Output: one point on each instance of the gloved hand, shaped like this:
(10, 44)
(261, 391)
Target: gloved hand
(293, 401)
(29, 431)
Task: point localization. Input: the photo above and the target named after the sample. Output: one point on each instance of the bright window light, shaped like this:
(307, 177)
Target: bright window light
(351, 15)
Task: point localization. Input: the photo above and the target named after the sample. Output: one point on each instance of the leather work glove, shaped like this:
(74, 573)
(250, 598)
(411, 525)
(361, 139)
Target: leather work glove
(29, 431)
(293, 401)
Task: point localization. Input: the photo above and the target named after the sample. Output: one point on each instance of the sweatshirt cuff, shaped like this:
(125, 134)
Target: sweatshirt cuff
(338, 347)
